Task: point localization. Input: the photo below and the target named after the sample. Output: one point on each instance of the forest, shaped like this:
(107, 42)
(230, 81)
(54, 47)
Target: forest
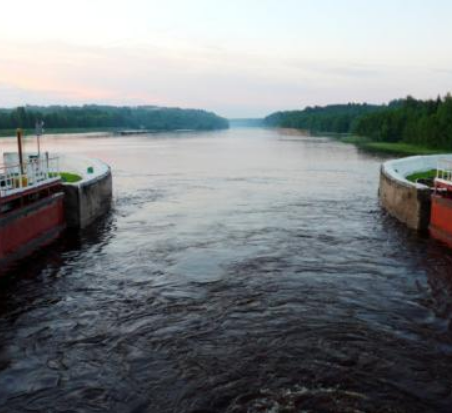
(111, 117)
(332, 118)
(427, 123)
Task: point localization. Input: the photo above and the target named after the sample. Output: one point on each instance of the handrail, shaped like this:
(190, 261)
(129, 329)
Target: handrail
(35, 172)
(444, 170)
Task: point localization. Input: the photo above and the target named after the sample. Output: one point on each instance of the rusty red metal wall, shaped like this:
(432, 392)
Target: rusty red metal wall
(24, 230)
(441, 219)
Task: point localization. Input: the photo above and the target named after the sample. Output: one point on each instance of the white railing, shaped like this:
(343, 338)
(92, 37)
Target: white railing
(34, 172)
(444, 170)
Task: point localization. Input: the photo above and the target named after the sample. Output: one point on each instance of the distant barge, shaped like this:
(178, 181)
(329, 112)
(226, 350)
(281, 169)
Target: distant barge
(149, 131)
(135, 132)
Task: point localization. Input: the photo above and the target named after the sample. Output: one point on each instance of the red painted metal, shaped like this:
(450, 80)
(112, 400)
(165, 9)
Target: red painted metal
(51, 185)
(443, 185)
(31, 223)
(441, 214)
(441, 219)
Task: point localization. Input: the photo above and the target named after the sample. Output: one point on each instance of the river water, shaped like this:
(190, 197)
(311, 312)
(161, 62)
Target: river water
(247, 270)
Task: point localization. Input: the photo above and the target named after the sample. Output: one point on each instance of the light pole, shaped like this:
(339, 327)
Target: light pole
(39, 131)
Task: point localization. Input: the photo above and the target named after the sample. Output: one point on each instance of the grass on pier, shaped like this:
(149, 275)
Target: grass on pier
(68, 177)
(422, 175)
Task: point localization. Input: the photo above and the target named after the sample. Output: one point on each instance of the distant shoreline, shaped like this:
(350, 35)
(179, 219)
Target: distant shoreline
(389, 148)
(97, 118)
(367, 145)
(9, 133)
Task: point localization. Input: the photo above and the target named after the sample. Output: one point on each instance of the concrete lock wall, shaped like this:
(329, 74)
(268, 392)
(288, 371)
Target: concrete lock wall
(86, 200)
(409, 202)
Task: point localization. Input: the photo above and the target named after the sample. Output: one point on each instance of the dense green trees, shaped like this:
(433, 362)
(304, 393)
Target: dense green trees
(333, 118)
(93, 116)
(426, 123)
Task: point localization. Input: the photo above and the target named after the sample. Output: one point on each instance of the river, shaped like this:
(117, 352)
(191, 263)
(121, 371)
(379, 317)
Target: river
(247, 270)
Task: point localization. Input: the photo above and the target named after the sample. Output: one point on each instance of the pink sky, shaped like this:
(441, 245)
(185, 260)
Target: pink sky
(238, 58)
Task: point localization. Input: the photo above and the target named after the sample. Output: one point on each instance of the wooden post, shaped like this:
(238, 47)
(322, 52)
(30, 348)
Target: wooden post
(19, 146)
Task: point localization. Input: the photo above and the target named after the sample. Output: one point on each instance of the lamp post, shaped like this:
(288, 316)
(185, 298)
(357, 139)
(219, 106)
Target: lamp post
(19, 147)
(39, 131)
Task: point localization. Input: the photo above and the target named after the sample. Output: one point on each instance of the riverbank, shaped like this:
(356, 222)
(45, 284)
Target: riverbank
(391, 148)
(8, 133)
(399, 149)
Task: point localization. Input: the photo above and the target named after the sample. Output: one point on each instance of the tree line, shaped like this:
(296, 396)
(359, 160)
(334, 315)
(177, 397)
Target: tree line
(421, 122)
(426, 123)
(94, 116)
(332, 118)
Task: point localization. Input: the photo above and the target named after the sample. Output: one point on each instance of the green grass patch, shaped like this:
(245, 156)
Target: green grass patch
(68, 177)
(422, 175)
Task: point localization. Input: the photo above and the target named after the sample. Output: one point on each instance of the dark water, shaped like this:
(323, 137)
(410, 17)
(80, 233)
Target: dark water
(240, 271)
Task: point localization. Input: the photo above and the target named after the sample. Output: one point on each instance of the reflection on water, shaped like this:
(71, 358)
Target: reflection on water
(240, 271)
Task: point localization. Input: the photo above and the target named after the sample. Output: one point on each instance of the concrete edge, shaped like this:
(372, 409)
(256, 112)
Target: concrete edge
(407, 201)
(91, 198)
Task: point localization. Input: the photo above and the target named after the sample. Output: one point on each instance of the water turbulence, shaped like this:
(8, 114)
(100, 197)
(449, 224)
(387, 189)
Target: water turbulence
(240, 271)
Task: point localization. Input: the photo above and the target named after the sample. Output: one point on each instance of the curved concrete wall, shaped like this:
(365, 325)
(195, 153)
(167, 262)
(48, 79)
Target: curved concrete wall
(409, 202)
(89, 199)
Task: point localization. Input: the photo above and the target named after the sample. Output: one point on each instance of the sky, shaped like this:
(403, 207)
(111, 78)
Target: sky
(238, 58)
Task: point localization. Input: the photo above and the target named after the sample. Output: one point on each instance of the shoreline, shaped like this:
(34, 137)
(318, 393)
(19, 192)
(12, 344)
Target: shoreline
(390, 148)
(382, 148)
(11, 133)
(27, 133)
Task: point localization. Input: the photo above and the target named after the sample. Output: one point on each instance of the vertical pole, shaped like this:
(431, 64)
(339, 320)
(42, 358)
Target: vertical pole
(19, 146)
(39, 145)
(38, 128)
(47, 166)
